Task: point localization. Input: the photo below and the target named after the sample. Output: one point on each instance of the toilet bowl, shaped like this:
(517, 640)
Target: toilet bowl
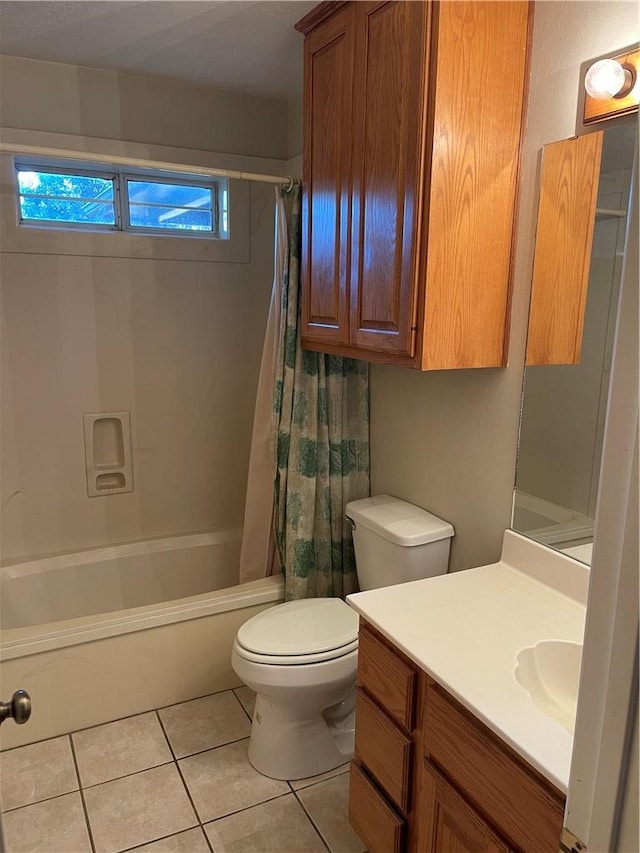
(300, 657)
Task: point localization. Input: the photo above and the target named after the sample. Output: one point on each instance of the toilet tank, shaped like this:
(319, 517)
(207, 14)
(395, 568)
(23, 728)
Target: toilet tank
(396, 542)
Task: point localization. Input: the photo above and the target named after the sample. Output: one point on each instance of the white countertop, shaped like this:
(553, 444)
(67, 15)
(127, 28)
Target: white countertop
(465, 630)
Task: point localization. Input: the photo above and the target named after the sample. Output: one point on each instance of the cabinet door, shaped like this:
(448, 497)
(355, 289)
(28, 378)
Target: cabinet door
(454, 827)
(477, 109)
(566, 219)
(328, 57)
(389, 86)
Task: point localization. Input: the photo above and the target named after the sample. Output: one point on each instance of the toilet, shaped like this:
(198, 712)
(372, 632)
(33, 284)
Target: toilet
(301, 657)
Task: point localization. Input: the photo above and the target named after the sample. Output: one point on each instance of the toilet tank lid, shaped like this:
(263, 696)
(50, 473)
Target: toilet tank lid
(398, 521)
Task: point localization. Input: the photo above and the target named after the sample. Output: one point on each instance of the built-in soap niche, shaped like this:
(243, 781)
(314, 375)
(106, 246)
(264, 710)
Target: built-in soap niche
(107, 448)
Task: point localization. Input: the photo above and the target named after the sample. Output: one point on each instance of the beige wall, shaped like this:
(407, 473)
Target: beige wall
(447, 440)
(294, 126)
(168, 329)
(60, 98)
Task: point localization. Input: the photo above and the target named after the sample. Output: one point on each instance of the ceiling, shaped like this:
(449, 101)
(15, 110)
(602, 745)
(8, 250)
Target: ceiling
(239, 45)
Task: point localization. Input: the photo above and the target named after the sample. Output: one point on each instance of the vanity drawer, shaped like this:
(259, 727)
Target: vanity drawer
(386, 676)
(384, 750)
(527, 808)
(375, 821)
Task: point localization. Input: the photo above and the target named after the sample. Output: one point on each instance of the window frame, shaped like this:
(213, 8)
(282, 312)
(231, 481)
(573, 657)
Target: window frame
(121, 200)
(214, 185)
(63, 224)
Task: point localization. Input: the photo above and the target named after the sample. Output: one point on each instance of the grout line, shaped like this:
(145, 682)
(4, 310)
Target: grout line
(163, 838)
(206, 838)
(175, 761)
(120, 719)
(84, 805)
(241, 705)
(195, 698)
(211, 748)
(126, 775)
(311, 820)
(164, 732)
(245, 808)
(179, 769)
(43, 800)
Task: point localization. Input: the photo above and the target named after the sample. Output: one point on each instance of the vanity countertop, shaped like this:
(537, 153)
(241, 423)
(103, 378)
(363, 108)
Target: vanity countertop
(465, 630)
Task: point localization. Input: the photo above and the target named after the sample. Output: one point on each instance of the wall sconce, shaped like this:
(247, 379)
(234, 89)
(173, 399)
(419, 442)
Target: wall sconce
(612, 87)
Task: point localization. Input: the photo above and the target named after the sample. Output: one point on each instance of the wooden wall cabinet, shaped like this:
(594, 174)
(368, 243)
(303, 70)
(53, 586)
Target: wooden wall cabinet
(429, 777)
(412, 121)
(564, 238)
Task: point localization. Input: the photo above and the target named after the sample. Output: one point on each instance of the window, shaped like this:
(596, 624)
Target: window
(75, 198)
(135, 202)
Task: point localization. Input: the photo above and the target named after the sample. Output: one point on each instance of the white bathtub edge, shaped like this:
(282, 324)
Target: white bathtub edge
(263, 591)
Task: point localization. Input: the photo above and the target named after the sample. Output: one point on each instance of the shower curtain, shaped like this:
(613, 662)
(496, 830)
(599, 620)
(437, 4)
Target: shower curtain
(257, 553)
(321, 412)
(310, 446)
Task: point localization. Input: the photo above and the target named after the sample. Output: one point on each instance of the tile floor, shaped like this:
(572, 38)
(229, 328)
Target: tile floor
(175, 780)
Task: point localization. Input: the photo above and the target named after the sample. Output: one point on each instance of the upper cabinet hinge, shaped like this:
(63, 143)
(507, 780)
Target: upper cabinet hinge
(570, 843)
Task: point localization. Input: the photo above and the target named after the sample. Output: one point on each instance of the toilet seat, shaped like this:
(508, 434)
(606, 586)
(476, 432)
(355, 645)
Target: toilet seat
(299, 632)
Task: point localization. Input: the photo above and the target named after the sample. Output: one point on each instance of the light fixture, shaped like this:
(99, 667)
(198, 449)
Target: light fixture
(608, 78)
(612, 87)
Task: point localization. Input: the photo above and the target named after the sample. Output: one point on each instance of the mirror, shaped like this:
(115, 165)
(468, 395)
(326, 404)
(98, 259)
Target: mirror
(564, 405)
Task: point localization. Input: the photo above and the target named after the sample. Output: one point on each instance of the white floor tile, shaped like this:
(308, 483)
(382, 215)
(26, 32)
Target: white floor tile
(117, 749)
(204, 723)
(53, 826)
(328, 806)
(297, 784)
(37, 772)
(191, 841)
(138, 809)
(222, 781)
(279, 826)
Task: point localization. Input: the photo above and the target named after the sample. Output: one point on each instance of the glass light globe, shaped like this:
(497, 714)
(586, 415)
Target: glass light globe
(605, 79)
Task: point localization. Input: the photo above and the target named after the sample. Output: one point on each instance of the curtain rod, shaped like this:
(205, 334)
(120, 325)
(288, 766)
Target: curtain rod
(156, 165)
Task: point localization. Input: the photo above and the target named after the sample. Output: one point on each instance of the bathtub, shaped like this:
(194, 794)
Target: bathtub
(97, 635)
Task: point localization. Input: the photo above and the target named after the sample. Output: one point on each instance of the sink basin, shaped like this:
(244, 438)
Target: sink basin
(550, 673)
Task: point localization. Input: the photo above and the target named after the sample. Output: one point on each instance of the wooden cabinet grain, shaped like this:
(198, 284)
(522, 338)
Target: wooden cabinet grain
(453, 826)
(413, 118)
(429, 777)
(328, 63)
(564, 236)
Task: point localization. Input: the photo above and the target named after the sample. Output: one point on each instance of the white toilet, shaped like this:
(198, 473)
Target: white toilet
(301, 657)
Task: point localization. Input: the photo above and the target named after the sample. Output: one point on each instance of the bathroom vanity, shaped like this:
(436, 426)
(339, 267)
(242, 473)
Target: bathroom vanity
(463, 738)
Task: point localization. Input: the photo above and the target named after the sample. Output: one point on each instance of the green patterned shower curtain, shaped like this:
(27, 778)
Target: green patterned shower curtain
(321, 410)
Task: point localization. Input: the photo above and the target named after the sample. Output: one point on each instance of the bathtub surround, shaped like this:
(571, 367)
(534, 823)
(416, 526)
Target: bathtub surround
(168, 330)
(322, 424)
(123, 578)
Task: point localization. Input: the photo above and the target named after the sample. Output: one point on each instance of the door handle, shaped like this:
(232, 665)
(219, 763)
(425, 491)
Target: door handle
(19, 707)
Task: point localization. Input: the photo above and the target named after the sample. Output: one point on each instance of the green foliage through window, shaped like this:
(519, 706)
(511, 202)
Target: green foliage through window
(117, 201)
